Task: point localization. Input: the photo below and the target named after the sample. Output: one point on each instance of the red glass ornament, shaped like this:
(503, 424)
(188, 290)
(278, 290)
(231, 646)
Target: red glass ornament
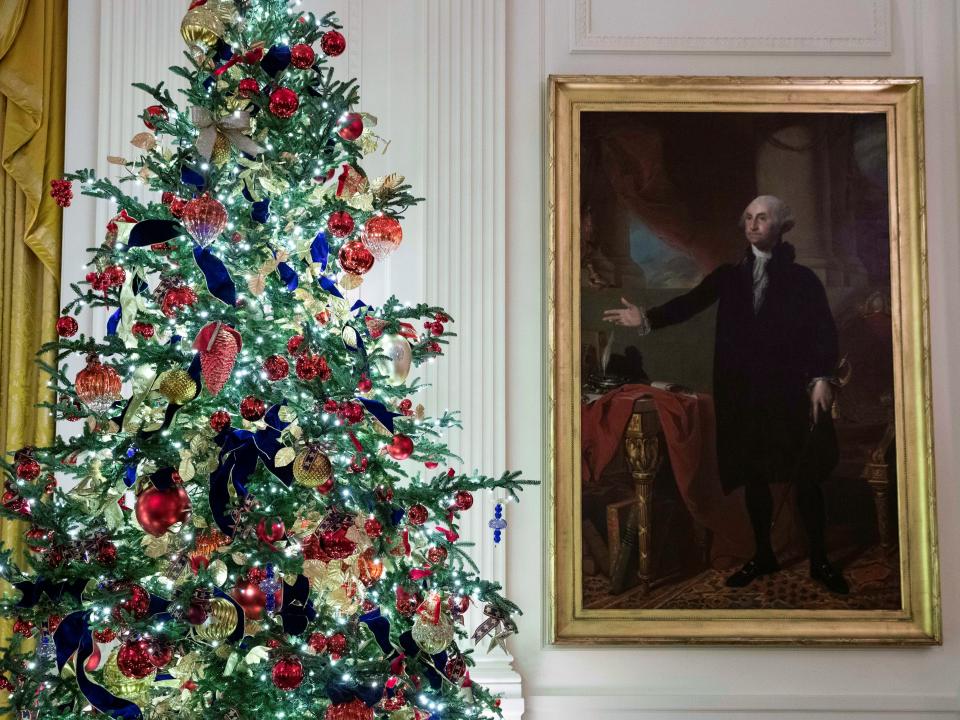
(317, 642)
(248, 87)
(143, 329)
(382, 234)
(205, 218)
(373, 528)
(325, 487)
(28, 469)
(333, 43)
(302, 56)
(175, 298)
(253, 56)
(310, 367)
(220, 420)
(356, 709)
(352, 412)
(98, 386)
(160, 653)
(107, 553)
(406, 406)
(67, 326)
(417, 514)
(364, 384)
(351, 127)
(276, 367)
(252, 408)
(251, 598)
(157, 510)
(137, 604)
(23, 627)
(288, 673)
(106, 635)
(271, 530)
(114, 274)
(337, 644)
(407, 602)
(177, 206)
(458, 604)
(257, 574)
(133, 659)
(197, 613)
(294, 343)
(340, 223)
(53, 622)
(284, 102)
(331, 406)
(336, 544)
(436, 555)
(157, 111)
(464, 499)
(455, 668)
(400, 448)
(355, 258)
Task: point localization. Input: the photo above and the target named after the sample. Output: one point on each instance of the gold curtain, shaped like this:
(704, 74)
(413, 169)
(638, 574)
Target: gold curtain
(33, 61)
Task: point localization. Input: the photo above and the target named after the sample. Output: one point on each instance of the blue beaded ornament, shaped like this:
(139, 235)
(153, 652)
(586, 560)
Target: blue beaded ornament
(497, 523)
(270, 587)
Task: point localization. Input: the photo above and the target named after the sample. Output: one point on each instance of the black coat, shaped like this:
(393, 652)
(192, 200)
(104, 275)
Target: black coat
(763, 365)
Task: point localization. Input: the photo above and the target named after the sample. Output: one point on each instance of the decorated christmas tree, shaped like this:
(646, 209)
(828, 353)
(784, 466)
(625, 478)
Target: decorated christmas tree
(255, 517)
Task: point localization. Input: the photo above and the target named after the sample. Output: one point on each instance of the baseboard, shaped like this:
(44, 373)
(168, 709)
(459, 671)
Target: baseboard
(740, 707)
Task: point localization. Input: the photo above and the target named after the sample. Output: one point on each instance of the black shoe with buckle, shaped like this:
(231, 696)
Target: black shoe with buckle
(758, 567)
(828, 576)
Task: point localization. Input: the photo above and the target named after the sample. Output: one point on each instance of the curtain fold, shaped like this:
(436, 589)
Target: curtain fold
(33, 59)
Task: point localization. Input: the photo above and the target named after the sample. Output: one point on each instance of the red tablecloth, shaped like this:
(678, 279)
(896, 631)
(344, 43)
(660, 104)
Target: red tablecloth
(689, 428)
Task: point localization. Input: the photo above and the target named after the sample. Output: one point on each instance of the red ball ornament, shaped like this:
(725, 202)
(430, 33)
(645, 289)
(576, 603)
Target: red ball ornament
(455, 669)
(161, 653)
(106, 635)
(364, 384)
(271, 530)
(248, 87)
(197, 613)
(333, 43)
(134, 659)
(284, 102)
(340, 223)
(143, 329)
(458, 604)
(155, 111)
(251, 598)
(23, 627)
(351, 127)
(318, 643)
(355, 258)
(288, 673)
(400, 448)
(137, 604)
(325, 487)
(220, 420)
(158, 510)
(67, 326)
(436, 555)
(205, 218)
(373, 528)
(107, 553)
(417, 514)
(464, 499)
(177, 206)
(276, 367)
(337, 644)
(294, 344)
(98, 386)
(352, 412)
(382, 234)
(252, 408)
(309, 367)
(175, 298)
(302, 56)
(28, 469)
(356, 709)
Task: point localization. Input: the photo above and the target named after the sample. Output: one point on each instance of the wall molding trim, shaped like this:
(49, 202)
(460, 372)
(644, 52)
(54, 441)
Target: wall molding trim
(866, 28)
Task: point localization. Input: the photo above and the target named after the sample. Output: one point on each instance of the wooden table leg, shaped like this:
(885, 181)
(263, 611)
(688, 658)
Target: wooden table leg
(642, 446)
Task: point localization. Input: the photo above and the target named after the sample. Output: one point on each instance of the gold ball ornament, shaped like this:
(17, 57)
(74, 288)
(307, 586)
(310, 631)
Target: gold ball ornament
(433, 637)
(201, 28)
(311, 467)
(137, 691)
(395, 367)
(221, 150)
(177, 386)
(220, 623)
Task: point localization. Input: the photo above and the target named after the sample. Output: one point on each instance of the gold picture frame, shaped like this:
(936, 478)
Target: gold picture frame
(918, 621)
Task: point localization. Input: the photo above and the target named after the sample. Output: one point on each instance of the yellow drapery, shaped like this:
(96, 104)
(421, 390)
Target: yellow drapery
(33, 60)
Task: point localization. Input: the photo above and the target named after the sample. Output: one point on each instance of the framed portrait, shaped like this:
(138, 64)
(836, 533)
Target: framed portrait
(740, 404)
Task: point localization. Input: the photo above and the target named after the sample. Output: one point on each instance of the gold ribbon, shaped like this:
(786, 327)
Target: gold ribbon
(232, 127)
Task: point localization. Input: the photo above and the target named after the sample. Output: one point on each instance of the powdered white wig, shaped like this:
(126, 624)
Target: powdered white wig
(781, 212)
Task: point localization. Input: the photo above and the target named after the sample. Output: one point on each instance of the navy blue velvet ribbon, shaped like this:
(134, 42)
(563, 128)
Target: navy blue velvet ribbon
(189, 176)
(276, 60)
(330, 286)
(380, 627)
(240, 450)
(380, 412)
(219, 282)
(153, 232)
(260, 209)
(342, 692)
(320, 250)
(289, 276)
(34, 590)
(297, 610)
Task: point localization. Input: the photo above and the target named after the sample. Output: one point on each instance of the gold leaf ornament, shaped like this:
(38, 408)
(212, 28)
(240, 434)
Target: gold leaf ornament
(144, 140)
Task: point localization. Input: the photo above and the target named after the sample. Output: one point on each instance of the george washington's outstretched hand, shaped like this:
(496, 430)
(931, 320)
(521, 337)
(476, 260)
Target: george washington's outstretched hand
(629, 315)
(821, 399)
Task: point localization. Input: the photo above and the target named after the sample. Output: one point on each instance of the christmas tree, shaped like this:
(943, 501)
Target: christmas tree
(254, 518)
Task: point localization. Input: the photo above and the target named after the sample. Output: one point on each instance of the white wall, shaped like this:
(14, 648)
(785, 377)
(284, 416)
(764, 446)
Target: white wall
(459, 87)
